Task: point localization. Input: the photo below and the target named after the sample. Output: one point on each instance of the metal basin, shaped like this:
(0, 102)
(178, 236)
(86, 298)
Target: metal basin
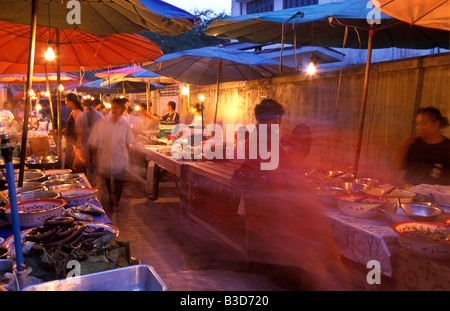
(421, 212)
(132, 278)
(37, 195)
(66, 176)
(44, 162)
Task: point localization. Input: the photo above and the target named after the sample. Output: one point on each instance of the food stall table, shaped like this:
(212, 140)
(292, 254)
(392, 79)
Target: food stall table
(6, 229)
(158, 164)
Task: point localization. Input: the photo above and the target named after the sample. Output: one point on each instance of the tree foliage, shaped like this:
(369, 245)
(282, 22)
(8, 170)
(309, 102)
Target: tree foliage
(192, 39)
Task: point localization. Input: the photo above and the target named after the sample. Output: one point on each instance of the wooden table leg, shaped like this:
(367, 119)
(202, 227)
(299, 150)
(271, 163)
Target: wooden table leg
(158, 174)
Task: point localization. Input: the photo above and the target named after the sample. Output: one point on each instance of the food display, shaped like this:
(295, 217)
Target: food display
(424, 239)
(65, 230)
(359, 205)
(79, 196)
(34, 212)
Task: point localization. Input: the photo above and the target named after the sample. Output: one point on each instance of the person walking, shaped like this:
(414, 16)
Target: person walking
(110, 140)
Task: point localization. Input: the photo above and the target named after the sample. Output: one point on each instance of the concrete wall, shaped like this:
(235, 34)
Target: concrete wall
(330, 103)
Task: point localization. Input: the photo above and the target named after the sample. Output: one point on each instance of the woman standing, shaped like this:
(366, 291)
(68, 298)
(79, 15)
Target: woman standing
(74, 128)
(425, 157)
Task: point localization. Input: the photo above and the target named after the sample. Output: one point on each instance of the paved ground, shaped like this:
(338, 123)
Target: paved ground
(175, 247)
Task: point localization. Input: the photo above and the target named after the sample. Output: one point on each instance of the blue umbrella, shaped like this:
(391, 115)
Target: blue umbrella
(98, 86)
(102, 18)
(211, 65)
(352, 23)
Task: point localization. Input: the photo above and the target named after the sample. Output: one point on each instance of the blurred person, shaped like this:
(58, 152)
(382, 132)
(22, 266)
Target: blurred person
(110, 141)
(171, 115)
(288, 238)
(76, 122)
(144, 121)
(92, 116)
(425, 157)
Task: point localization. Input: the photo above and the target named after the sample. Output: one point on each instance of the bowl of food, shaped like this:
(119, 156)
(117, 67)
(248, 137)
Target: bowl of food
(76, 197)
(360, 205)
(424, 239)
(391, 194)
(37, 195)
(409, 212)
(33, 213)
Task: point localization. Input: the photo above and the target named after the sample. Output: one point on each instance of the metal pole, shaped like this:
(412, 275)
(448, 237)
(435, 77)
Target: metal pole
(219, 69)
(363, 103)
(31, 52)
(49, 94)
(58, 102)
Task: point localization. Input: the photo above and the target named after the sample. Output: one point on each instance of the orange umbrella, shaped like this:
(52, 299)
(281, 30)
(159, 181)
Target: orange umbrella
(38, 78)
(79, 49)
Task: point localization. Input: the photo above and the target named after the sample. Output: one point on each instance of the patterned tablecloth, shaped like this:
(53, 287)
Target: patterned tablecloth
(363, 240)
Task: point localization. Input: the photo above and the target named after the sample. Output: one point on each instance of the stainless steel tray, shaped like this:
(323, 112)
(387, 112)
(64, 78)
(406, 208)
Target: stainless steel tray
(132, 278)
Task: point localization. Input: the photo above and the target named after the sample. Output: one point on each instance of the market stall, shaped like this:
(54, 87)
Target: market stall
(209, 198)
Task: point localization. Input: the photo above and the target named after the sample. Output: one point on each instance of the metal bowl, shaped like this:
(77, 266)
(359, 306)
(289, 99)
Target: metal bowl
(59, 182)
(64, 187)
(22, 190)
(32, 176)
(414, 211)
(66, 176)
(44, 162)
(37, 195)
(350, 186)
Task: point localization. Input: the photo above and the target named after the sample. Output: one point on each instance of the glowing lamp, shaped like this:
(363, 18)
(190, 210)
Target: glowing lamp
(311, 67)
(201, 97)
(184, 91)
(61, 88)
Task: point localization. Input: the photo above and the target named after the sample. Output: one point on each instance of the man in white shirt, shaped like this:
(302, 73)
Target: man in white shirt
(110, 140)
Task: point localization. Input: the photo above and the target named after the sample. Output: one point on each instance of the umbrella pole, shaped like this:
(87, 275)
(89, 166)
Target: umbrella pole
(23, 149)
(219, 70)
(363, 103)
(49, 94)
(58, 100)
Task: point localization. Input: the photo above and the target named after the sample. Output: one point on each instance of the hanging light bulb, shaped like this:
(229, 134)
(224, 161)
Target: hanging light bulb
(61, 88)
(311, 67)
(137, 108)
(31, 92)
(49, 54)
(201, 97)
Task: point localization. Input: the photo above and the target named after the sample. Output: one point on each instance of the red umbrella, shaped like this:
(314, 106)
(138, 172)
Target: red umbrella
(79, 49)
